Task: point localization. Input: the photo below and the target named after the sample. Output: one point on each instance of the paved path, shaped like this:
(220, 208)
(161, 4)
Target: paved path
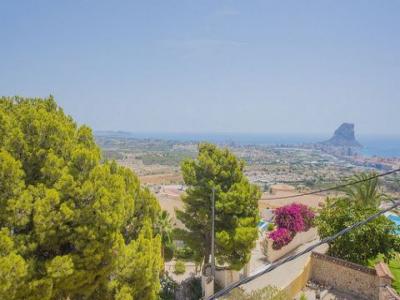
(282, 276)
(190, 270)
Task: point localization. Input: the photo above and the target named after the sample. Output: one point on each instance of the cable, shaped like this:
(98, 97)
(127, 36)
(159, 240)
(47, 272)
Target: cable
(326, 240)
(333, 188)
(293, 257)
(304, 180)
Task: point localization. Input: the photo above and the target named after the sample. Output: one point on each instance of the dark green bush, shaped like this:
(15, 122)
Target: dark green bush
(169, 251)
(192, 288)
(168, 287)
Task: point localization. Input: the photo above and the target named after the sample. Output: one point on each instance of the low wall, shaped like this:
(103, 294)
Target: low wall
(362, 282)
(225, 277)
(345, 276)
(207, 286)
(299, 239)
(387, 293)
(300, 281)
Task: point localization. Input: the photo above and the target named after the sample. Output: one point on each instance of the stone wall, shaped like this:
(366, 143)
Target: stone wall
(345, 276)
(299, 239)
(352, 279)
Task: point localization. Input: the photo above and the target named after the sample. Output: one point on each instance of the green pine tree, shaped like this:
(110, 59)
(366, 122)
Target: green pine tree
(70, 227)
(236, 207)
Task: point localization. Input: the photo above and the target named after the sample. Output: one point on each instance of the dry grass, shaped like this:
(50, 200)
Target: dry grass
(282, 191)
(161, 179)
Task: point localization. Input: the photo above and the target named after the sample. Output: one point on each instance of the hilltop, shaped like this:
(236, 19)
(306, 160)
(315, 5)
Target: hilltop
(343, 137)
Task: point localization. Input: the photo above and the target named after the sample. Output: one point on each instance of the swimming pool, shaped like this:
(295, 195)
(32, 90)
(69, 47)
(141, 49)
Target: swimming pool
(262, 225)
(396, 220)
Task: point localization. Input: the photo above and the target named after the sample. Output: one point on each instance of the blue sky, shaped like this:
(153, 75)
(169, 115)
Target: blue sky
(208, 66)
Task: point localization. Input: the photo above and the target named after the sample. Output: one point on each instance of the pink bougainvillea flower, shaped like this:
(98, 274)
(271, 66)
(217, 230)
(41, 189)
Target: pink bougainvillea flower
(280, 237)
(290, 219)
(295, 217)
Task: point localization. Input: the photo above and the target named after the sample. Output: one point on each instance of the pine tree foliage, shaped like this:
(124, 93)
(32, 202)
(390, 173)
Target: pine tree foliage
(70, 227)
(236, 207)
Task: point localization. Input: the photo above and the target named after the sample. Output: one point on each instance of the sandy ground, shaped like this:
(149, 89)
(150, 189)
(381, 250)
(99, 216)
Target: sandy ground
(311, 200)
(282, 190)
(169, 198)
(161, 178)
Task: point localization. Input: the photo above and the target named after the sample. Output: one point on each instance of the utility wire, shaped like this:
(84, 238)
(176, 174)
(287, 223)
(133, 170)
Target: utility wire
(337, 187)
(304, 180)
(277, 264)
(326, 240)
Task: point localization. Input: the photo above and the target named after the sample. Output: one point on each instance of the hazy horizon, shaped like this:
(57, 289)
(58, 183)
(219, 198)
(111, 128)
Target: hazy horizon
(210, 66)
(227, 133)
(373, 145)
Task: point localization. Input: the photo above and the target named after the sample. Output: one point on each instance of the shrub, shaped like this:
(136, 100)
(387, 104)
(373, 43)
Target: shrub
(280, 237)
(290, 219)
(377, 237)
(308, 217)
(303, 297)
(270, 227)
(294, 217)
(191, 288)
(169, 251)
(180, 267)
(184, 253)
(168, 287)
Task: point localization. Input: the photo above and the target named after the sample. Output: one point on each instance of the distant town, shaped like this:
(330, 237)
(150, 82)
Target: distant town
(304, 166)
(281, 171)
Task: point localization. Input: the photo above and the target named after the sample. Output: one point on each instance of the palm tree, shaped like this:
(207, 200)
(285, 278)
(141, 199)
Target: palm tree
(164, 228)
(365, 190)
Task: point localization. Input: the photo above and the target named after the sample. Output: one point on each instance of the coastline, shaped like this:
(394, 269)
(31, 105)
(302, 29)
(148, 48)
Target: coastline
(384, 146)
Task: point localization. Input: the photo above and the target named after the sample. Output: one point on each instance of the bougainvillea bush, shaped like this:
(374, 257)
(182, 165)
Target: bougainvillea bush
(294, 217)
(280, 237)
(290, 219)
(308, 217)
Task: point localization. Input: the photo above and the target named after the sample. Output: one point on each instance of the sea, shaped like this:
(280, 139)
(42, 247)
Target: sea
(373, 145)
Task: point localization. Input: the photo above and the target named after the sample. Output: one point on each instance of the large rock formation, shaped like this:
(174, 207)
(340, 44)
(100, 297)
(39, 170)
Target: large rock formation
(343, 137)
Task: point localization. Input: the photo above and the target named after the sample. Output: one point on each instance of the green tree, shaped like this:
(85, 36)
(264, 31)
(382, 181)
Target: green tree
(236, 207)
(360, 244)
(366, 192)
(138, 268)
(69, 224)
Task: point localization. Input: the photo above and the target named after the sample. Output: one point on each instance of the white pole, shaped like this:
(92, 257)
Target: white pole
(213, 234)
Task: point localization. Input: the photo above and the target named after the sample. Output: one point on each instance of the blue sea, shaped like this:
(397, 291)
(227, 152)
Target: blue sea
(374, 145)
(383, 146)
